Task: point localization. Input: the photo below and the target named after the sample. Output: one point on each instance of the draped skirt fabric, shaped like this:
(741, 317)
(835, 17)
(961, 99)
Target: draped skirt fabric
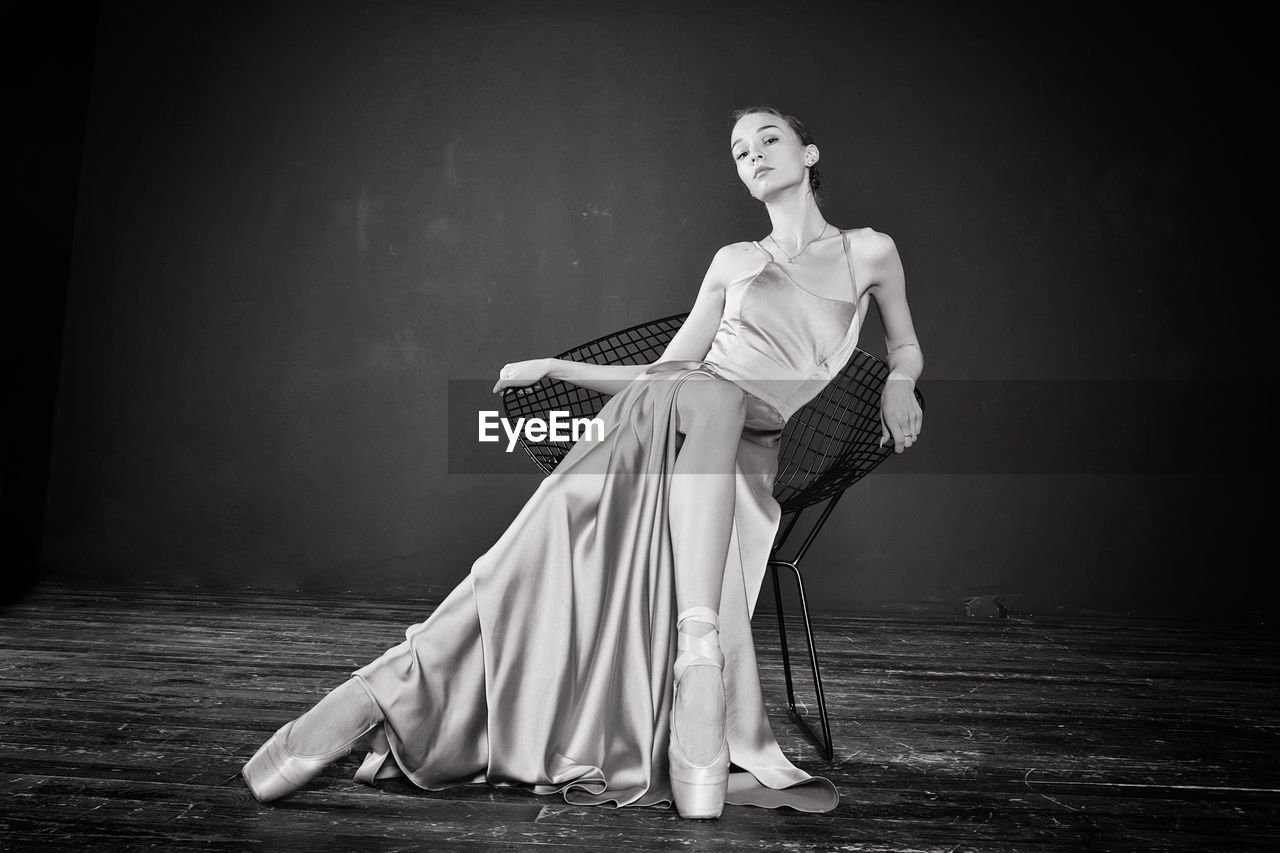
(549, 667)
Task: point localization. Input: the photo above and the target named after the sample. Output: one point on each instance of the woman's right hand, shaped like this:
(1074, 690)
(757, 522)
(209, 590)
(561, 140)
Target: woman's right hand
(521, 374)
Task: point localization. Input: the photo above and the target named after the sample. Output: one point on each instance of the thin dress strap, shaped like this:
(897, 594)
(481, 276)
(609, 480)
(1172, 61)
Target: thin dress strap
(853, 279)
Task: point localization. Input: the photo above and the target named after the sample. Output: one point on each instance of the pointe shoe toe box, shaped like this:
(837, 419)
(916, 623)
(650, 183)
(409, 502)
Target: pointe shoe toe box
(275, 772)
(699, 789)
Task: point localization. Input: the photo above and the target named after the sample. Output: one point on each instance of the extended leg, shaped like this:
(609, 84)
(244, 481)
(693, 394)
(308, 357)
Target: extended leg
(301, 749)
(342, 716)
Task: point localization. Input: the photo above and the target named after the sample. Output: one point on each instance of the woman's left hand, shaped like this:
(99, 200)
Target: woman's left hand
(901, 417)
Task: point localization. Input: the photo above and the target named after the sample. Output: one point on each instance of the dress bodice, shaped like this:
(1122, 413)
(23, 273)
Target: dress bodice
(779, 341)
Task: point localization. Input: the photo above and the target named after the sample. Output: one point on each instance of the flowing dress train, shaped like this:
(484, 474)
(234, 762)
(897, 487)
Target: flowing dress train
(549, 666)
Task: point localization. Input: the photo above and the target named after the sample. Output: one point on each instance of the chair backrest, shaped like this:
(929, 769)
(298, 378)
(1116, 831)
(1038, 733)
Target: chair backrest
(826, 446)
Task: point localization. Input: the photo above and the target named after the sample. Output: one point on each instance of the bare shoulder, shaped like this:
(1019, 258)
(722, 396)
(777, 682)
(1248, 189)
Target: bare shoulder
(735, 260)
(737, 253)
(870, 246)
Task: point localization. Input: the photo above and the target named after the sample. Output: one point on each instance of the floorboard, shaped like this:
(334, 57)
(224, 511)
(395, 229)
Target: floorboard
(129, 710)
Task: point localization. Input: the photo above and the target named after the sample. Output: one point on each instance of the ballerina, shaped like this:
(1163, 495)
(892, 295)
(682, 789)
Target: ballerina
(602, 647)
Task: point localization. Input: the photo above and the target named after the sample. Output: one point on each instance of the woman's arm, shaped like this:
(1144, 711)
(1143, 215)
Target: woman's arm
(691, 341)
(900, 414)
(605, 378)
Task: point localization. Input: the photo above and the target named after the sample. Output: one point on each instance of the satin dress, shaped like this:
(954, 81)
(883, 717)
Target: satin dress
(549, 666)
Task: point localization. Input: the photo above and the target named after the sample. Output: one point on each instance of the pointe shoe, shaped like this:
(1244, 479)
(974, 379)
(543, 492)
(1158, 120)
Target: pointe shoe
(274, 771)
(698, 789)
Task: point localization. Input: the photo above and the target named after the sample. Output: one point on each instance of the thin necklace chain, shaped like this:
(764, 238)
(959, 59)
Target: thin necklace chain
(791, 259)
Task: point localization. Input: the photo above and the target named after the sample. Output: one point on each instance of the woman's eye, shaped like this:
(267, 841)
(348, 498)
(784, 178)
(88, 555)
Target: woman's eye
(740, 155)
(770, 140)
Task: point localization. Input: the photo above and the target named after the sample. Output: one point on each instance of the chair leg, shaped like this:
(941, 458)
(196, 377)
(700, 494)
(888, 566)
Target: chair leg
(782, 638)
(824, 744)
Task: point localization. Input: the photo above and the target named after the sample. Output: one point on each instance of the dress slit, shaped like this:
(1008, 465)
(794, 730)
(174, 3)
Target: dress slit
(549, 667)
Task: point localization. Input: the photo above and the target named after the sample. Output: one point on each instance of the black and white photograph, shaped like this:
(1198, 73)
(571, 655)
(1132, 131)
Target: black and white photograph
(520, 425)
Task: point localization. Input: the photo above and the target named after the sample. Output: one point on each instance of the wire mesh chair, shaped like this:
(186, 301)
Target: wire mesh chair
(825, 448)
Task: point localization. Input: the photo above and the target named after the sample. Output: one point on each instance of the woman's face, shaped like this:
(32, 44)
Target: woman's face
(768, 154)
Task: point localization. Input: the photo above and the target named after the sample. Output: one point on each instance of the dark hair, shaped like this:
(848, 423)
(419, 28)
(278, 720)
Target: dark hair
(795, 124)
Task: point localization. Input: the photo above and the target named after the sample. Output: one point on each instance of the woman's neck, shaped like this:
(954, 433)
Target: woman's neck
(796, 218)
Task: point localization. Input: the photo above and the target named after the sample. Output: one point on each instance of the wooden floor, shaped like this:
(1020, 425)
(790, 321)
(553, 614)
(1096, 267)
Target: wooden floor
(128, 712)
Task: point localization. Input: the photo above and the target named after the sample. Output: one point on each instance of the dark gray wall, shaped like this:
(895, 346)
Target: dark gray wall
(298, 222)
(46, 110)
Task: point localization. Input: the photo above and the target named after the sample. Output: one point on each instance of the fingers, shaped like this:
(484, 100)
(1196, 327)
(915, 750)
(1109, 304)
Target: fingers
(895, 433)
(507, 382)
(503, 385)
(901, 424)
(909, 434)
(903, 432)
(914, 425)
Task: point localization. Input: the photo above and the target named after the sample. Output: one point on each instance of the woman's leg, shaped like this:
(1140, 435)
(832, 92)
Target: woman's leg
(302, 748)
(710, 414)
(346, 713)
